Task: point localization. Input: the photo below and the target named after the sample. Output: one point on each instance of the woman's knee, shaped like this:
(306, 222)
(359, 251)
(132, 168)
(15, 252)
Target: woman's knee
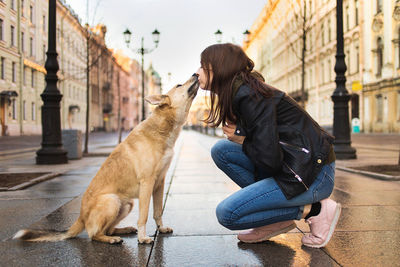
(218, 149)
(225, 215)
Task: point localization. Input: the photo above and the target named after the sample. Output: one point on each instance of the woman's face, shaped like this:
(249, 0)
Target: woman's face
(202, 74)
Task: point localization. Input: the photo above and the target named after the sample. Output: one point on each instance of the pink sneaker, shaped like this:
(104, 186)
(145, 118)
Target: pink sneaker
(323, 225)
(266, 232)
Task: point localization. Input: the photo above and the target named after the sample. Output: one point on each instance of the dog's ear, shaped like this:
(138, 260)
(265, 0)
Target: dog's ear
(159, 100)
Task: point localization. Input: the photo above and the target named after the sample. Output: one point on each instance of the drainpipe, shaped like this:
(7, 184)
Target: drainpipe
(21, 68)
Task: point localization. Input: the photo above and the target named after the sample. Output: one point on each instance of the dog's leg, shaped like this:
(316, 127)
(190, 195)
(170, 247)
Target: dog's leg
(125, 210)
(158, 194)
(102, 216)
(146, 187)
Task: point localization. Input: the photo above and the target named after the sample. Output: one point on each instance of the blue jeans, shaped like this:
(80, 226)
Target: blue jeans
(261, 202)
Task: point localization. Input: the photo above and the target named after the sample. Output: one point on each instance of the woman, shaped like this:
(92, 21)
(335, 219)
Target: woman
(280, 157)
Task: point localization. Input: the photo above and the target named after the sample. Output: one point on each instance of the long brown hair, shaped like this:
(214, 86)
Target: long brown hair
(228, 62)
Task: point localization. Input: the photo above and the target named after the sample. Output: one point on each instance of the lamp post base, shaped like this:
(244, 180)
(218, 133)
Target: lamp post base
(54, 155)
(344, 151)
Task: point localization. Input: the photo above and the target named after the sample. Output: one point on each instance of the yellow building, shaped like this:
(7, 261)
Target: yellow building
(371, 34)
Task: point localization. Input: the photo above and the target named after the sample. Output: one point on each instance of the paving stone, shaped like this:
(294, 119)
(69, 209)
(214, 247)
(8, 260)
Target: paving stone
(74, 252)
(226, 250)
(365, 248)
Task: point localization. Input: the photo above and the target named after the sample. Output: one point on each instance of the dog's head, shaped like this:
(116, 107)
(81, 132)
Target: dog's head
(179, 98)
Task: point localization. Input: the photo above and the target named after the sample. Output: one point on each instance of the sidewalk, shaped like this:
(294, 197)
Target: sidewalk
(368, 233)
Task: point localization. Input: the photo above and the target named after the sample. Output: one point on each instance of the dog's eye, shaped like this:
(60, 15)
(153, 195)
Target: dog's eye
(179, 85)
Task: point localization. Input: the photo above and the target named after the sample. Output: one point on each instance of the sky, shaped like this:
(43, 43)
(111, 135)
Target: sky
(186, 28)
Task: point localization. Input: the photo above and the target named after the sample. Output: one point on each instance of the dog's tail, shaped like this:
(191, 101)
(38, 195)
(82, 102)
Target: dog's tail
(48, 235)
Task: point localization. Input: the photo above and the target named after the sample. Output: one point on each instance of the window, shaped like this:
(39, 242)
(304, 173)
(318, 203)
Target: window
(14, 72)
(322, 35)
(379, 108)
(398, 105)
(329, 31)
(329, 71)
(32, 78)
(44, 23)
(44, 53)
(23, 41)
(347, 18)
(322, 73)
(348, 62)
(356, 12)
(379, 56)
(378, 6)
(31, 47)
(31, 13)
(24, 75)
(13, 4)
(1, 29)
(12, 32)
(398, 46)
(14, 109)
(22, 7)
(33, 112)
(24, 110)
(357, 58)
(2, 71)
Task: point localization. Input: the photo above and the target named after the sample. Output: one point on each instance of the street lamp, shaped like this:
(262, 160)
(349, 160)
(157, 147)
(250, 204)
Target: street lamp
(218, 36)
(156, 38)
(246, 36)
(52, 151)
(340, 97)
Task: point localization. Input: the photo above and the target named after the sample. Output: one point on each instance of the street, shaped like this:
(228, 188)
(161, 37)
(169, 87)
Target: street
(368, 232)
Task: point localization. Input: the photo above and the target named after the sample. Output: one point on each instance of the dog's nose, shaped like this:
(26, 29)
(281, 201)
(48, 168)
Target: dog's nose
(195, 74)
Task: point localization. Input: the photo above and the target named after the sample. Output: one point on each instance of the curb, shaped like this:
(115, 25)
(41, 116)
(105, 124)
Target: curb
(96, 154)
(37, 180)
(18, 151)
(375, 175)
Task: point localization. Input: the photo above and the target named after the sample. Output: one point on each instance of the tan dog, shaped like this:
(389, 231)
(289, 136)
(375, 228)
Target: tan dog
(135, 169)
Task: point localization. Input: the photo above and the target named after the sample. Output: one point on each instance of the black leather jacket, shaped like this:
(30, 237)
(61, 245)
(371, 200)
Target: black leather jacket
(282, 139)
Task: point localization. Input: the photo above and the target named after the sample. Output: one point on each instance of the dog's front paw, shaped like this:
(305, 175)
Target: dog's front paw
(165, 230)
(145, 240)
(115, 240)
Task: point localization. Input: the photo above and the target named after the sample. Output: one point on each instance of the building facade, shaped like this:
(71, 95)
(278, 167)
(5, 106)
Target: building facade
(71, 49)
(371, 34)
(23, 47)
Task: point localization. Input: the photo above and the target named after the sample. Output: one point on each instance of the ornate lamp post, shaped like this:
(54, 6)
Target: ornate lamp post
(52, 151)
(142, 51)
(340, 97)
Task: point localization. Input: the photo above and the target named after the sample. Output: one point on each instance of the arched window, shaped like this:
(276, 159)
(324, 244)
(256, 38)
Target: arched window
(379, 56)
(398, 46)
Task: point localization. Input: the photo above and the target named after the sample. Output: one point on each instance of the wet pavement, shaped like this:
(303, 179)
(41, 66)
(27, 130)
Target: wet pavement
(368, 232)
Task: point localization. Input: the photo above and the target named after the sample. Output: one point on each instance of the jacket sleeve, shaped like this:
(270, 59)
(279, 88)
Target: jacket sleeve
(261, 144)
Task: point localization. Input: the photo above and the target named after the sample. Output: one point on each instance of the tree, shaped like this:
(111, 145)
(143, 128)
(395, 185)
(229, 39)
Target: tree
(302, 26)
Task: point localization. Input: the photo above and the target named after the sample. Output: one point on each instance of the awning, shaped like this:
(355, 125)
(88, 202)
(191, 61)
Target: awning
(8, 94)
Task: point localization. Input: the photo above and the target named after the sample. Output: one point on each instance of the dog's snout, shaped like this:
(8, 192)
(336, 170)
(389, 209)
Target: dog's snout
(196, 75)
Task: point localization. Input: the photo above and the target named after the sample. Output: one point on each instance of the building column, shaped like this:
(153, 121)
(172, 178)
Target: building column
(367, 41)
(387, 70)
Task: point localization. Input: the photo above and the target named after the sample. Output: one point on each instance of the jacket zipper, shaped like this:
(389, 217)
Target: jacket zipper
(296, 175)
(295, 147)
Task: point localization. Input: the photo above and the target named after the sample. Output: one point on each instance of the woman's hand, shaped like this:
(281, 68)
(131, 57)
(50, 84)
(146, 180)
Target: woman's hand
(229, 131)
